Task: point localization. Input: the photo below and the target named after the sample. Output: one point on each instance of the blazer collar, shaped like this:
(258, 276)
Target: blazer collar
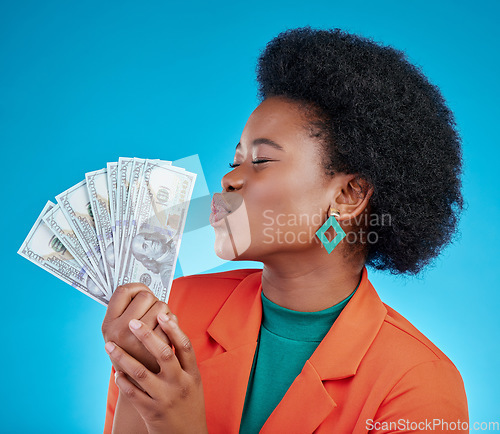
(238, 321)
(343, 347)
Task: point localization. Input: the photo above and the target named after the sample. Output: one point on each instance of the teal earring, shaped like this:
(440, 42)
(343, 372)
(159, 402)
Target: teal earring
(331, 221)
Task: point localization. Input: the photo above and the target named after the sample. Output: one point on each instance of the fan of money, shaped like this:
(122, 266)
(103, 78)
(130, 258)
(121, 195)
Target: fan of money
(121, 224)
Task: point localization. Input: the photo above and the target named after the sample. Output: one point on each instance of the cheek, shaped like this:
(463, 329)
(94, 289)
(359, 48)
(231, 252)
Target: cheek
(295, 198)
(288, 213)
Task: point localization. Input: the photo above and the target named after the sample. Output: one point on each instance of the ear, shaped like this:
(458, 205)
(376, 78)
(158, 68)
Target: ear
(352, 195)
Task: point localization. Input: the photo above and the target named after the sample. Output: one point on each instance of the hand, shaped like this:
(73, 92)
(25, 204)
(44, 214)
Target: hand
(133, 300)
(171, 400)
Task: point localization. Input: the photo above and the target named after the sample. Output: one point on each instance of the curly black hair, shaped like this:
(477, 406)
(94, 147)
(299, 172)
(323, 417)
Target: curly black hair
(379, 117)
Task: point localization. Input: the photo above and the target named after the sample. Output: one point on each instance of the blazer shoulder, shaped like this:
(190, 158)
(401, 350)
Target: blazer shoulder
(413, 346)
(418, 380)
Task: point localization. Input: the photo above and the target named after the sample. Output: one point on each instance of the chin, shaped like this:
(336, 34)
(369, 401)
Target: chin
(226, 247)
(224, 253)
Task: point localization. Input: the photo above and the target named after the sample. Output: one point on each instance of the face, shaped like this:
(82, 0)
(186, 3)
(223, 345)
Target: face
(277, 192)
(149, 245)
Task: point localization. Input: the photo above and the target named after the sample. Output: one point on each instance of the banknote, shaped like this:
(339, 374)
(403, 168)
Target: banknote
(133, 191)
(128, 203)
(124, 172)
(75, 204)
(44, 249)
(112, 172)
(59, 225)
(97, 185)
(151, 249)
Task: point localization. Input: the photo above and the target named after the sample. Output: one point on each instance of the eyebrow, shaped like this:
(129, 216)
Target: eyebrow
(264, 141)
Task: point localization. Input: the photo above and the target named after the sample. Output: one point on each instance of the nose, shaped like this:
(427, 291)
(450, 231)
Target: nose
(233, 180)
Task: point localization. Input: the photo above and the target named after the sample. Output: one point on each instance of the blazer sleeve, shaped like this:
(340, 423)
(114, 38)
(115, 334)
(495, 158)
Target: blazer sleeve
(428, 397)
(111, 403)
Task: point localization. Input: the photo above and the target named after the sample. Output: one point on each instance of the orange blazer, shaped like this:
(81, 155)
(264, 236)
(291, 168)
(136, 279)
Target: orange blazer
(373, 372)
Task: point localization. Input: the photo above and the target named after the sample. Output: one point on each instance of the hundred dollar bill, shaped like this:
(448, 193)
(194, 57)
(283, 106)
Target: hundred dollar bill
(59, 225)
(44, 249)
(112, 171)
(97, 186)
(151, 252)
(124, 172)
(75, 204)
(133, 193)
(134, 196)
(128, 206)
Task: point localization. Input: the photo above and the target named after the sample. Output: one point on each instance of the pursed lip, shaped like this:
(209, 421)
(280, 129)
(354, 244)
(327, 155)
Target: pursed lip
(220, 208)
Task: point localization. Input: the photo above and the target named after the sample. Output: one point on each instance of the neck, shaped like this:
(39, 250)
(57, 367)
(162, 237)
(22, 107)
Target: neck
(309, 286)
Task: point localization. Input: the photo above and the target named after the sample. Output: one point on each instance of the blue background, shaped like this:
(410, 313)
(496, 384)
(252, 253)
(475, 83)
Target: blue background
(82, 83)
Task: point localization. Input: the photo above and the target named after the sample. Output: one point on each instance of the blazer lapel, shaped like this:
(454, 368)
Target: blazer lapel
(305, 405)
(225, 376)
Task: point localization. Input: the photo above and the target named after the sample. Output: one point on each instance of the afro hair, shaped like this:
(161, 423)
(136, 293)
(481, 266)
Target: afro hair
(382, 119)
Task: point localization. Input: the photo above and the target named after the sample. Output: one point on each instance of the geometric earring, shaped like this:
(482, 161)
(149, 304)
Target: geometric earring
(331, 222)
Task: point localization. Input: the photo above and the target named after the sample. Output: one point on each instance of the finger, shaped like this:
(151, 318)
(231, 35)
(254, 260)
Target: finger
(139, 306)
(160, 349)
(183, 347)
(159, 331)
(122, 297)
(130, 366)
(139, 399)
(161, 334)
(150, 318)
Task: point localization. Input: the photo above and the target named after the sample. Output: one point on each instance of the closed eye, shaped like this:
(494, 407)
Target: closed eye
(232, 166)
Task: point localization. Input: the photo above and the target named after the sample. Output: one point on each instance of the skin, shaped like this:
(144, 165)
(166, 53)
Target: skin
(265, 198)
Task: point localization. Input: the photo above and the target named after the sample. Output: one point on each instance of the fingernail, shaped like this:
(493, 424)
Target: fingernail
(163, 317)
(135, 324)
(116, 376)
(110, 346)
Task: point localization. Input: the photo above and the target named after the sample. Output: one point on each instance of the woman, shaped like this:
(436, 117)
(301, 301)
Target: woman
(350, 160)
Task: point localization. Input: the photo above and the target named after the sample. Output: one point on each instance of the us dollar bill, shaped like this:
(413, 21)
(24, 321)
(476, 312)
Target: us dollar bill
(59, 225)
(152, 247)
(124, 172)
(44, 249)
(112, 172)
(75, 204)
(97, 186)
(136, 180)
(129, 204)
